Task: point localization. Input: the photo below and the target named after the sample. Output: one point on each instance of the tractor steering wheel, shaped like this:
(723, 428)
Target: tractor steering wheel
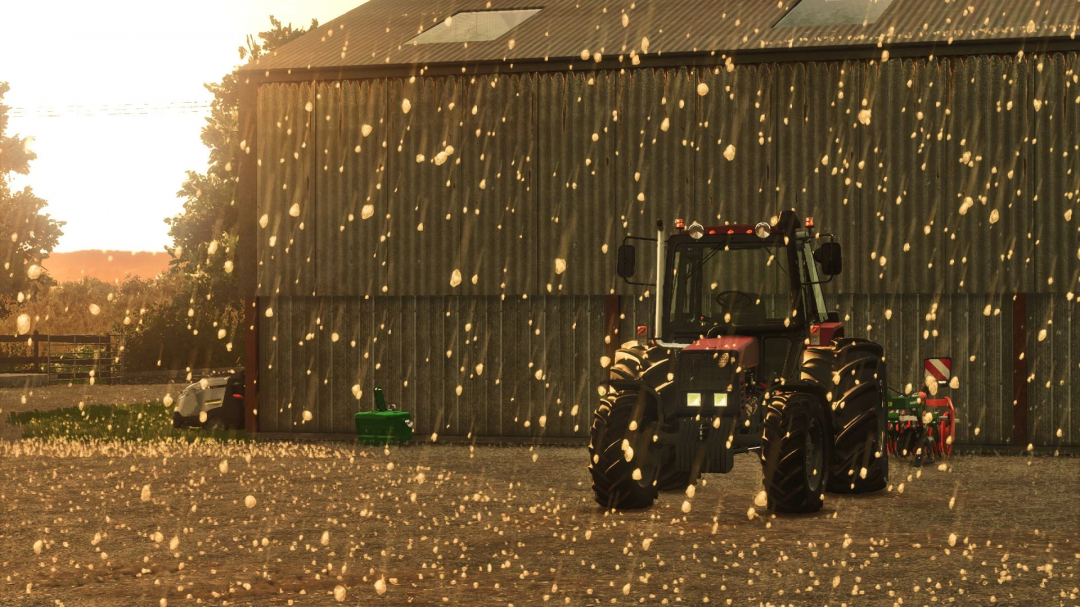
(733, 301)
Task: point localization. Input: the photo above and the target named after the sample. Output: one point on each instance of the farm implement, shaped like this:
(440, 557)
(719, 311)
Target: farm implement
(920, 427)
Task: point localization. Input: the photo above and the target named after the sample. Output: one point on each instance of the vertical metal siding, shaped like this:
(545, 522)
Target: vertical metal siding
(899, 196)
(739, 111)
(402, 341)
(1053, 355)
(1055, 178)
(575, 182)
(988, 247)
(816, 151)
(654, 161)
(423, 201)
(350, 191)
(286, 388)
(285, 156)
(498, 149)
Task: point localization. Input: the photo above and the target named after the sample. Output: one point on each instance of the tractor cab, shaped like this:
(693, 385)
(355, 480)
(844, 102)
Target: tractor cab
(743, 280)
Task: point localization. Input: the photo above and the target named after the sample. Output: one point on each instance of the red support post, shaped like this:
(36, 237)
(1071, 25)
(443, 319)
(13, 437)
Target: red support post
(1020, 370)
(611, 325)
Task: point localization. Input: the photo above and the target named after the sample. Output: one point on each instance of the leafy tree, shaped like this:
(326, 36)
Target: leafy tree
(183, 332)
(27, 235)
(204, 235)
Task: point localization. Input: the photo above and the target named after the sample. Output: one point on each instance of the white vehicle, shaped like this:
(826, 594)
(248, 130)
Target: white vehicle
(214, 403)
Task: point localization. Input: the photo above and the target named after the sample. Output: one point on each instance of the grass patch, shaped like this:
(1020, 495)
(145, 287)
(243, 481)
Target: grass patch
(135, 422)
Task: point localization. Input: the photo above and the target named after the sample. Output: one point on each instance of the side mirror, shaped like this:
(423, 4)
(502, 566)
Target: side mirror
(627, 263)
(830, 258)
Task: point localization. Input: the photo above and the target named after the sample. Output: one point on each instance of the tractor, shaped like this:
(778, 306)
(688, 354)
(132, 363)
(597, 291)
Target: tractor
(743, 356)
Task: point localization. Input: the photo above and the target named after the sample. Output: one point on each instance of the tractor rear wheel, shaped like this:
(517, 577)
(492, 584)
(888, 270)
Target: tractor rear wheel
(793, 452)
(860, 459)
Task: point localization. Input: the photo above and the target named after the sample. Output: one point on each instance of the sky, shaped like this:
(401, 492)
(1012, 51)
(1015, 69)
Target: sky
(114, 178)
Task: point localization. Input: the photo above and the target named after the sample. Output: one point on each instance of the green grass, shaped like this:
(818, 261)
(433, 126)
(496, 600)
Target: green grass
(135, 422)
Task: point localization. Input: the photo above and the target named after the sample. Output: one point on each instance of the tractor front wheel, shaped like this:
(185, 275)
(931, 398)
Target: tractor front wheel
(793, 452)
(624, 456)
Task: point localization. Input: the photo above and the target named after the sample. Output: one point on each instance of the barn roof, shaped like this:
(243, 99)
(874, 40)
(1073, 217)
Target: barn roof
(384, 32)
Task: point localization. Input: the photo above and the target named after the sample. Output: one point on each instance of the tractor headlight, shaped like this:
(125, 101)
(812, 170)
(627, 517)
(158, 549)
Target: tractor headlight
(719, 400)
(762, 230)
(696, 230)
(693, 399)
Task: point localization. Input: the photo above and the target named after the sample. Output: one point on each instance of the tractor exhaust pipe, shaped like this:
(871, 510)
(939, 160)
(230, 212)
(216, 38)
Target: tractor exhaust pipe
(659, 303)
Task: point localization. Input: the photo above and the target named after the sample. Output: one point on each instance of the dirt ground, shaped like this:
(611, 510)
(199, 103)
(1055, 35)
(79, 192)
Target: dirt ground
(486, 525)
(64, 395)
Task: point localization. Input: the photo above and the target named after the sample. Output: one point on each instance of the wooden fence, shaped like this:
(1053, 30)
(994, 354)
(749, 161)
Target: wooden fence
(64, 357)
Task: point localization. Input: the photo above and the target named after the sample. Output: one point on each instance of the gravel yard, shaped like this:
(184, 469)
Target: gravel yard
(284, 523)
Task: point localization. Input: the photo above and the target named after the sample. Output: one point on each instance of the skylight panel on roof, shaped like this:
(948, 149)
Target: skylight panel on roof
(475, 26)
(809, 13)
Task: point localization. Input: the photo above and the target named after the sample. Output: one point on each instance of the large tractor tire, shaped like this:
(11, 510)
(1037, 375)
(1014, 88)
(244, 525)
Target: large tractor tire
(852, 371)
(623, 461)
(649, 365)
(794, 449)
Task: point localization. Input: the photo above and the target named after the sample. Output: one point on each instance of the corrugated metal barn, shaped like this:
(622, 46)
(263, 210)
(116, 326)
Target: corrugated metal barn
(434, 193)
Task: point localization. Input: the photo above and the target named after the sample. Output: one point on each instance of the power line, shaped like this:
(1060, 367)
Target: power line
(110, 109)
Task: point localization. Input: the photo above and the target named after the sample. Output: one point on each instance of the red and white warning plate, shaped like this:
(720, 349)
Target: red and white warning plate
(939, 368)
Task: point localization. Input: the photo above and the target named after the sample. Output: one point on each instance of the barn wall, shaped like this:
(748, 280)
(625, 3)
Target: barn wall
(952, 183)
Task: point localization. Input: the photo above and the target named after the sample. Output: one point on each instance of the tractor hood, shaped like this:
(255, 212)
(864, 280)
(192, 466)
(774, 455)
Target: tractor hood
(744, 348)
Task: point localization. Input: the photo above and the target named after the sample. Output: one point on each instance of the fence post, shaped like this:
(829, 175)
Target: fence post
(108, 355)
(37, 363)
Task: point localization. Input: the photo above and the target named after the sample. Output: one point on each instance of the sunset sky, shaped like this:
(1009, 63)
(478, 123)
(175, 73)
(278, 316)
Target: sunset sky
(114, 178)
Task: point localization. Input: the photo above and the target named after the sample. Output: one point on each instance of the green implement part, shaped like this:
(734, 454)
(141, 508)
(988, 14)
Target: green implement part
(383, 426)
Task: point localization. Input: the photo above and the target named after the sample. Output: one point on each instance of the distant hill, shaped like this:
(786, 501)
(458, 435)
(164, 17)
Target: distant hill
(108, 266)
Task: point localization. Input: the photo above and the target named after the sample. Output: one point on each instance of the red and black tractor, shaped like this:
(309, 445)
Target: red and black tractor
(744, 356)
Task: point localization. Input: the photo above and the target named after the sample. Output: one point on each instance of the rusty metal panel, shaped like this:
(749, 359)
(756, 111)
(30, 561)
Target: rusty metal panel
(1054, 386)
(576, 149)
(1055, 175)
(817, 148)
(286, 243)
(654, 158)
(899, 194)
(424, 252)
(350, 192)
(735, 159)
(498, 174)
(985, 201)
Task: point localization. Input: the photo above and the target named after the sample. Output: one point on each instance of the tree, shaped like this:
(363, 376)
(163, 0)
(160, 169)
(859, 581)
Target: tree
(27, 235)
(201, 325)
(204, 235)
